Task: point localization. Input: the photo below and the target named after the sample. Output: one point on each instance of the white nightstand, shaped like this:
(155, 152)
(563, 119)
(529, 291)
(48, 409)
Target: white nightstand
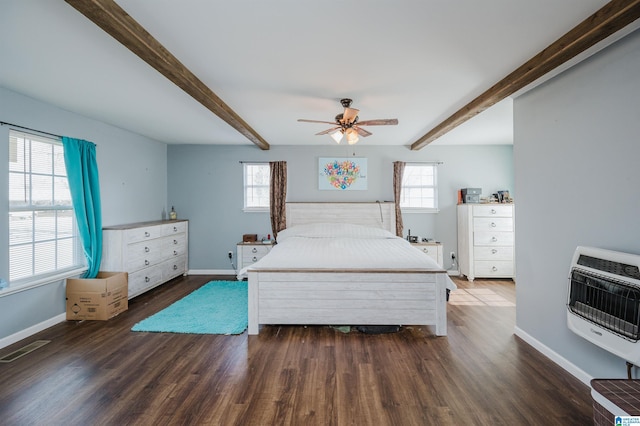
(248, 253)
(433, 250)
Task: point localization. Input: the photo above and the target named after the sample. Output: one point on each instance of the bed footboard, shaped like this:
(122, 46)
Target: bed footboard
(347, 298)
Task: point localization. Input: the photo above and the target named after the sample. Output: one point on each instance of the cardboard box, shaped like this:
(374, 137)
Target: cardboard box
(97, 298)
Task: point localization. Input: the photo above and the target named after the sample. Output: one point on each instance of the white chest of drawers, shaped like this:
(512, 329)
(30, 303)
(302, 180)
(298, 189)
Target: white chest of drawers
(486, 240)
(249, 253)
(433, 250)
(151, 252)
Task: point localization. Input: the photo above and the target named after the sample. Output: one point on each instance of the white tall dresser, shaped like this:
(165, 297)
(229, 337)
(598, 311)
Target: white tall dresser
(486, 235)
(151, 252)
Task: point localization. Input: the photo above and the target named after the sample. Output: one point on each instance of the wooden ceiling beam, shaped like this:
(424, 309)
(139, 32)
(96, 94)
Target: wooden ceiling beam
(611, 18)
(120, 25)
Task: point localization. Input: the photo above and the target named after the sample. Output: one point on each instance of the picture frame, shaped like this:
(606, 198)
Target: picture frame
(342, 173)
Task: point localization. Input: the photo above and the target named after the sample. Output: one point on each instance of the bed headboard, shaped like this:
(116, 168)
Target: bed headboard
(376, 214)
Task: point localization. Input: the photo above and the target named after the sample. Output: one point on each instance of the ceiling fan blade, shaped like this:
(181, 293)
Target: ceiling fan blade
(315, 121)
(362, 132)
(379, 122)
(350, 114)
(324, 132)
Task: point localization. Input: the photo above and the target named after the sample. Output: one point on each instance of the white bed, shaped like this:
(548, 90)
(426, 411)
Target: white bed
(341, 264)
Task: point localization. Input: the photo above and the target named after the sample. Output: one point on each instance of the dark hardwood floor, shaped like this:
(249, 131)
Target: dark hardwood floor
(101, 373)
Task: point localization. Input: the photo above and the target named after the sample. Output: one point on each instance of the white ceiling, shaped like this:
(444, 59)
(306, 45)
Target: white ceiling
(276, 61)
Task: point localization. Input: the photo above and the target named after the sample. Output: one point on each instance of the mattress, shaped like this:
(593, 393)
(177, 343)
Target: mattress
(343, 247)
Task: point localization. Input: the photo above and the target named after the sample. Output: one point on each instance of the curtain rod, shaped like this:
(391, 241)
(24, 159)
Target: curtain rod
(28, 128)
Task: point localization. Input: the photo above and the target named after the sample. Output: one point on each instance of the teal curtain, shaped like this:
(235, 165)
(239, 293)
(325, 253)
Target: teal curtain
(82, 172)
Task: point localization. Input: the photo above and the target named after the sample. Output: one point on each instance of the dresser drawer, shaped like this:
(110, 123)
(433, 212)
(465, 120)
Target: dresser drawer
(493, 210)
(493, 253)
(430, 251)
(434, 251)
(134, 265)
(143, 233)
(174, 267)
(489, 268)
(493, 238)
(502, 224)
(174, 228)
(144, 279)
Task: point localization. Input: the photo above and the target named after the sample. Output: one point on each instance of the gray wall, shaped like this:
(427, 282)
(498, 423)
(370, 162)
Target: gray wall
(133, 176)
(205, 186)
(576, 157)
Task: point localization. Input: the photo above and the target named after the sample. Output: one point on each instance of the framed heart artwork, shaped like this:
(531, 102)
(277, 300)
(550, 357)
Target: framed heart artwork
(342, 174)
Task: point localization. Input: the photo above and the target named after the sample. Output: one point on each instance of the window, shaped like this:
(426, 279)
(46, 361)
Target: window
(256, 186)
(419, 188)
(43, 236)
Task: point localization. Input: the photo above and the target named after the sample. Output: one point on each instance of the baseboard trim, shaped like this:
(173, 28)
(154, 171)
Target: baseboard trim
(30, 331)
(571, 368)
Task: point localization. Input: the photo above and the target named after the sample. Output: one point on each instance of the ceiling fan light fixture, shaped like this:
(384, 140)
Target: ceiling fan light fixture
(337, 135)
(352, 136)
(347, 124)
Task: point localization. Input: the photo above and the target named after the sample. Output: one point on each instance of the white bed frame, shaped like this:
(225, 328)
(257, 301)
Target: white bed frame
(347, 296)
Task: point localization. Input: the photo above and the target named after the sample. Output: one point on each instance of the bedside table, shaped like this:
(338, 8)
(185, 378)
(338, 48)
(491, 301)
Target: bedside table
(433, 250)
(249, 253)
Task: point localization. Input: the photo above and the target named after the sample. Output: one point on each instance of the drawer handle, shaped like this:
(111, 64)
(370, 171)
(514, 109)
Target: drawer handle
(146, 249)
(494, 251)
(175, 267)
(493, 224)
(254, 258)
(175, 242)
(146, 234)
(175, 252)
(146, 262)
(493, 211)
(494, 269)
(426, 250)
(255, 250)
(175, 229)
(494, 239)
(147, 279)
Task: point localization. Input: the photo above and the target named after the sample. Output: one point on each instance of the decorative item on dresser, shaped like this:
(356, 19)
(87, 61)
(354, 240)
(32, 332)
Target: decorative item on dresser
(250, 252)
(151, 252)
(485, 240)
(433, 250)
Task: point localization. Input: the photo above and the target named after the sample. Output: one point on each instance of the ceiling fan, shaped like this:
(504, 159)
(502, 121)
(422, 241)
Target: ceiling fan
(347, 124)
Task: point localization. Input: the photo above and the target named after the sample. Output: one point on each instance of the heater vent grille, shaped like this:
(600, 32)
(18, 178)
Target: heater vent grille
(610, 303)
(24, 350)
(610, 266)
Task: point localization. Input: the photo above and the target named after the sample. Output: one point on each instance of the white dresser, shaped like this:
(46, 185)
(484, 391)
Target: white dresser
(486, 240)
(151, 252)
(249, 253)
(433, 250)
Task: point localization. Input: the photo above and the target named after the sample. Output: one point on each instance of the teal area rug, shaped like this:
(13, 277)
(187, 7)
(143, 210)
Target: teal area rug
(218, 307)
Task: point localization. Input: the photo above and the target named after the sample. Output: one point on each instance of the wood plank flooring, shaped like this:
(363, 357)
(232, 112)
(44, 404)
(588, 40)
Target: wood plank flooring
(101, 373)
